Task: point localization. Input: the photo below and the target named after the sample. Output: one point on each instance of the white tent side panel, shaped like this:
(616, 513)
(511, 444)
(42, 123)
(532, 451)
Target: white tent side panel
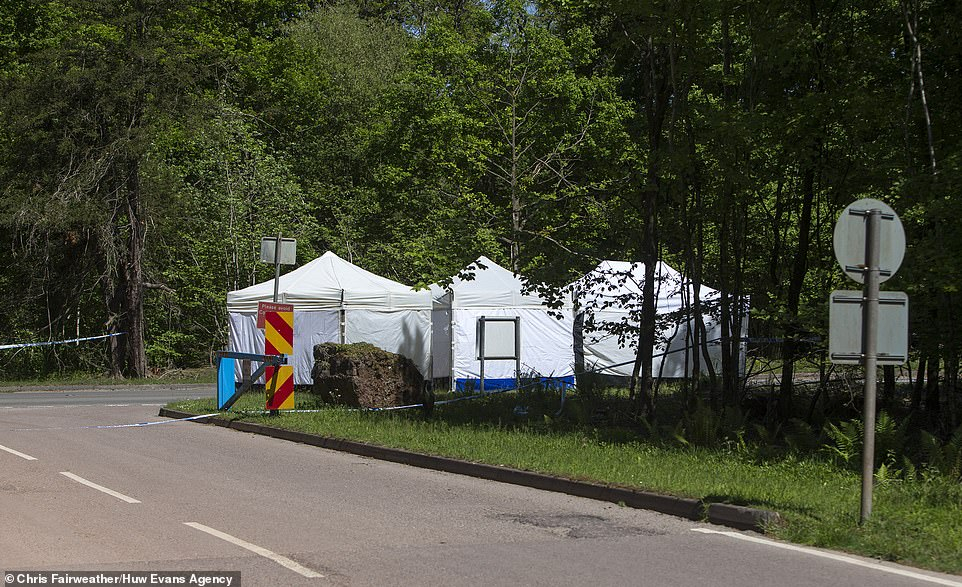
(603, 353)
(547, 344)
(404, 332)
(441, 342)
(614, 288)
(310, 328)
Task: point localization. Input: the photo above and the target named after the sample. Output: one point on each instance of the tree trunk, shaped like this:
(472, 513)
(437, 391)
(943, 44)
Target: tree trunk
(919, 383)
(657, 91)
(799, 268)
(134, 278)
(932, 395)
(888, 385)
(516, 204)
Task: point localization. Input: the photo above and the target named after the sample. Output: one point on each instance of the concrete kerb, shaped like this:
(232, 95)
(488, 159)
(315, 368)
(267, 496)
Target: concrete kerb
(739, 517)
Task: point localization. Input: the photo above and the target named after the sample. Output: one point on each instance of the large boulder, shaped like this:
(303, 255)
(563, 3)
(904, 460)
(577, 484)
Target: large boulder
(362, 375)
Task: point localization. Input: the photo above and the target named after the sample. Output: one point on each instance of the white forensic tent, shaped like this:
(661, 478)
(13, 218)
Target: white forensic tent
(608, 312)
(547, 343)
(337, 301)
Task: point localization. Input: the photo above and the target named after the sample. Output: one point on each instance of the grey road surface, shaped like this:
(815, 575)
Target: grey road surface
(184, 496)
(149, 395)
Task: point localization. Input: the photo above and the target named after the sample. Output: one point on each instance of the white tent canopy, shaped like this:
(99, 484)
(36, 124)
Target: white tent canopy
(336, 301)
(608, 313)
(547, 348)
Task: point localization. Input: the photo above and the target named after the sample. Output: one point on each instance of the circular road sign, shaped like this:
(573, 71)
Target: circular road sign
(849, 240)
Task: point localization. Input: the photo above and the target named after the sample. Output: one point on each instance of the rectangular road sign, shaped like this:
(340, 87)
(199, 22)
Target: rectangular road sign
(279, 393)
(264, 307)
(279, 340)
(288, 250)
(845, 327)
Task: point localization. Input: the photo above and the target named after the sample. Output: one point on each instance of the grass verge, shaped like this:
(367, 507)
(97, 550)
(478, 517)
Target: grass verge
(916, 523)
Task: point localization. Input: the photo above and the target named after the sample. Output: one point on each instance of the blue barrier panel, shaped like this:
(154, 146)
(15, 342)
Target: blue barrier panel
(474, 385)
(225, 381)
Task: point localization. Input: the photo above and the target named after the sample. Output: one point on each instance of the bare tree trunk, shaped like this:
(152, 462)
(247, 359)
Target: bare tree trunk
(888, 385)
(799, 268)
(951, 385)
(912, 27)
(726, 244)
(117, 343)
(657, 93)
(516, 204)
(133, 268)
(134, 294)
(932, 395)
(919, 383)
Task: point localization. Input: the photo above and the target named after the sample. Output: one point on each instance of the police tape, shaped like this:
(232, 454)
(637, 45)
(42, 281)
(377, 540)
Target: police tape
(24, 345)
(110, 426)
(143, 424)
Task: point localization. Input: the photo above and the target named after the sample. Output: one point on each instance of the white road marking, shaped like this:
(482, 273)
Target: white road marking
(18, 453)
(279, 559)
(833, 556)
(111, 492)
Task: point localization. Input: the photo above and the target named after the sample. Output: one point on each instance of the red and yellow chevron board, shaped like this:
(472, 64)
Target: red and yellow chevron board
(279, 340)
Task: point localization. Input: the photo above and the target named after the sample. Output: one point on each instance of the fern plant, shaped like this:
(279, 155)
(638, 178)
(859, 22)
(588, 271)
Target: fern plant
(846, 446)
(847, 438)
(944, 460)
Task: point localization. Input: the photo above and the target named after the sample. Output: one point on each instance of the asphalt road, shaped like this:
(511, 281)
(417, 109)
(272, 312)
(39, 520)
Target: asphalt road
(181, 496)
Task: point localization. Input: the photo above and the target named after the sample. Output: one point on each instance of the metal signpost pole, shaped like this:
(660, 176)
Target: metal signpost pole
(481, 346)
(277, 265)
(873, 222)
(869, 251)
(517, 353)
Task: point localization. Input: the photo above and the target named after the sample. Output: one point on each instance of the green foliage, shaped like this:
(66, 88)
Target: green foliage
(847, 442)
(942, 459)
(890, 441)
(152, 143)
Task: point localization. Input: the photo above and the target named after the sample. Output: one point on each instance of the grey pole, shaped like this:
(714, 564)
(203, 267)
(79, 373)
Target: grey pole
(517, 353)
(870, 355)
(481, 353)
(277, 265)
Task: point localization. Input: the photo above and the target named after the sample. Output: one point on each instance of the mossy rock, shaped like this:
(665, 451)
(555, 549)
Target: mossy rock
(365, 376)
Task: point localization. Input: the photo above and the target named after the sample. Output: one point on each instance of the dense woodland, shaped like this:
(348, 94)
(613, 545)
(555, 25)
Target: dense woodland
(146, 146)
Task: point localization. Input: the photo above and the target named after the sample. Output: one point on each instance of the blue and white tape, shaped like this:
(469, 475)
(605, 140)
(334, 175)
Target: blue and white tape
(109, 426)
(24, 345)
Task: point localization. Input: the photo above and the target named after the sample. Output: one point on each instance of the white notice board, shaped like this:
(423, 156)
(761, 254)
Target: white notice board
(498, 338)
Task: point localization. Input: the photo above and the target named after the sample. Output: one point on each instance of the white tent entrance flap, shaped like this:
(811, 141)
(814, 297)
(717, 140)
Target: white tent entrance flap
(337, 301)
(545, 340)
(499, 339)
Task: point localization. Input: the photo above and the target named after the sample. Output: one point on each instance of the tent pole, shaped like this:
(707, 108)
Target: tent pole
(517, 352)
(342, 320)
(481, 349)
(451, 381)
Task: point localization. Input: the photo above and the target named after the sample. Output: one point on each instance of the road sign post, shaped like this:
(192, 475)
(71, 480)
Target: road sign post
(870, 350)
(869, 244)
